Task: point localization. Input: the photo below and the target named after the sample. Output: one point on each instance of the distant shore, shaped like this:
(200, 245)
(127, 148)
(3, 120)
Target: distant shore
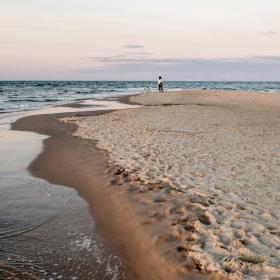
(184, 188)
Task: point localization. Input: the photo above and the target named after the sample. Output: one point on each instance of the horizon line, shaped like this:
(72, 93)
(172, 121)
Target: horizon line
(105, 80)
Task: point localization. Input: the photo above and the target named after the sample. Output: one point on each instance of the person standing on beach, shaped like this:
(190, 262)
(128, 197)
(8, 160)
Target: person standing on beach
(160, 84)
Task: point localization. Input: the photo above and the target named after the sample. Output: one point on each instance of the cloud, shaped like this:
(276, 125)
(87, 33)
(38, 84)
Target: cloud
(140, 53)
(178, 61)
(269, 33)
(133, 46)
(130, 67)
(265, 59)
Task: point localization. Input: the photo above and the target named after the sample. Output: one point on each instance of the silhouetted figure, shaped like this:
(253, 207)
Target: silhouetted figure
(160, 84)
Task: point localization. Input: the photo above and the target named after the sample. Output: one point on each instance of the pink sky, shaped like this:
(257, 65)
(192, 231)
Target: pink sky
(94, 39)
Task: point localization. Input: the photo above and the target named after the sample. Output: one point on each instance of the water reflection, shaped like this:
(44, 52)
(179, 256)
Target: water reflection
(45, 230)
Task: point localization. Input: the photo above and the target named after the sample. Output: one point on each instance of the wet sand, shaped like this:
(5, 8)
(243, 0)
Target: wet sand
(46, 230)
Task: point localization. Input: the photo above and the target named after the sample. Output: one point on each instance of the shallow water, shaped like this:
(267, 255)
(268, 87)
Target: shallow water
(45, 229)
(25, 95)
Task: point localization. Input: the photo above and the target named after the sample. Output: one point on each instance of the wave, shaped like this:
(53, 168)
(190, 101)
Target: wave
(32, 100)
(24, 95)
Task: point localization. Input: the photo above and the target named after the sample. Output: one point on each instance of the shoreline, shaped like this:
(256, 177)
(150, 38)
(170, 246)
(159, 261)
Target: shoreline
(141, 209)
(220, 150)
(73, 162)
(46, 229)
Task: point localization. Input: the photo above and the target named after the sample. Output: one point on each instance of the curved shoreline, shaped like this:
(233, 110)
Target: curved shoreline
(142, 242)
(219, 150)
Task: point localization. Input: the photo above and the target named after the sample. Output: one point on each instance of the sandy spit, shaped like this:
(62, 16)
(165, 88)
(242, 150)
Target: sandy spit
(221, 152)
(134, 217)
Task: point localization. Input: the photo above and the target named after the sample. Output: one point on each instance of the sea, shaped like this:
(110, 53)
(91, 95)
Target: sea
(16, 96)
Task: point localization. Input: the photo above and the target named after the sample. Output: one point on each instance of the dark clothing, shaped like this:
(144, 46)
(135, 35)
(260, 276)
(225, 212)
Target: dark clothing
(160, 87)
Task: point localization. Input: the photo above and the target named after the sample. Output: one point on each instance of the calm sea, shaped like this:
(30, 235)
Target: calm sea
(26, 95)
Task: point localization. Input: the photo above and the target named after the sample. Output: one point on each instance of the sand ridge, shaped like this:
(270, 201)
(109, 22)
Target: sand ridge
(221, 151)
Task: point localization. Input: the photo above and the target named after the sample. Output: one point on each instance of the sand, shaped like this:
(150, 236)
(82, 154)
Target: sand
(127, 213)
(220, 153)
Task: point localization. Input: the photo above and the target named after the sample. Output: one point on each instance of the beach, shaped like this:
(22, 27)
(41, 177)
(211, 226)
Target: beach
(140, 140)
(206, 170)
(185, 185)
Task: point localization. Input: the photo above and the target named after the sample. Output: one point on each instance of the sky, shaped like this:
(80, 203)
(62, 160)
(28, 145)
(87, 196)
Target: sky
(139, 40)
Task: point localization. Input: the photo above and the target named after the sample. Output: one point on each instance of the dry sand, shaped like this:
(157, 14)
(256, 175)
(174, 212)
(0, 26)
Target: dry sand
(221, 152)
(134, 217)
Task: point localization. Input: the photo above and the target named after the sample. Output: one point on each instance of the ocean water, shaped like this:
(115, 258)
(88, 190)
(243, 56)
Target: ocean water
(27, 95)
